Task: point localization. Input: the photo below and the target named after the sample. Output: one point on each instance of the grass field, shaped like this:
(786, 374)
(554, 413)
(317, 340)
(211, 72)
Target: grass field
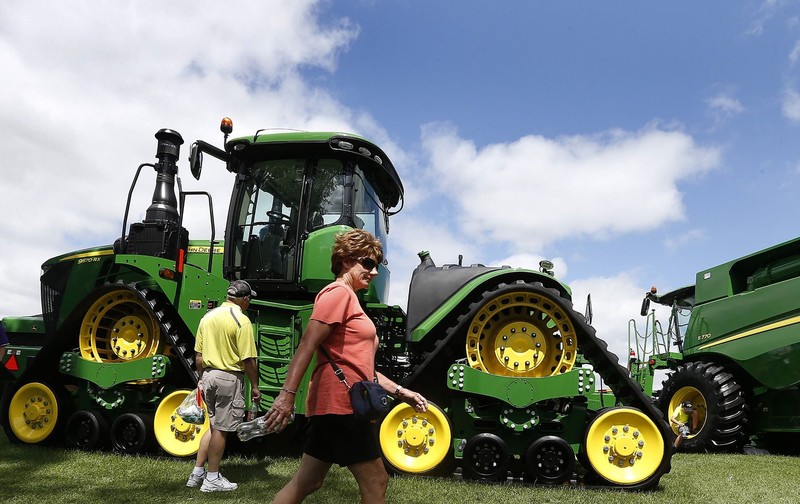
(40, 474)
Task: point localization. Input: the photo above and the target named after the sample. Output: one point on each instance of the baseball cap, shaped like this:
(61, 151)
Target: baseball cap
(240, 289)
(687, 405)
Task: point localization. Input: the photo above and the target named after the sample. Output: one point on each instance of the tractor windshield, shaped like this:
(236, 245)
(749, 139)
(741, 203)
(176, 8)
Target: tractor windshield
(268, 218)
(277, 213)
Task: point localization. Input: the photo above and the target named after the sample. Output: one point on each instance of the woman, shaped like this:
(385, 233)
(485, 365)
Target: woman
(339, 324)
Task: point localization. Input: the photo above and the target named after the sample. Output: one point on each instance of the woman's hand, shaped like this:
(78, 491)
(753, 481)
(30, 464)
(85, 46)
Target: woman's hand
(280, 414)
(413, 399)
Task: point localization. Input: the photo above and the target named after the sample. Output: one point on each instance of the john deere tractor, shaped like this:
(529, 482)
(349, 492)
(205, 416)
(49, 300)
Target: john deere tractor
(509, 366)
(732, 349)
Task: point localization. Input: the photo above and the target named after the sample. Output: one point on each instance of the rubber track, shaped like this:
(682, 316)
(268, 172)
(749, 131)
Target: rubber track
(171, 325)
(605, 363)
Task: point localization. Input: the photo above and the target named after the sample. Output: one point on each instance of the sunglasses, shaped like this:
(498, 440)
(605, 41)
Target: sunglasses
(368, 263)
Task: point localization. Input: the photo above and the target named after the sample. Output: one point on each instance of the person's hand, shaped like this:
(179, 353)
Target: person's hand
(280, 414)
(255, 395)
(413, 399)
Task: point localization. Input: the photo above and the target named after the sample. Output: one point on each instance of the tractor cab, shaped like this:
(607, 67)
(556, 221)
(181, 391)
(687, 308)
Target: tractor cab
(295, 191)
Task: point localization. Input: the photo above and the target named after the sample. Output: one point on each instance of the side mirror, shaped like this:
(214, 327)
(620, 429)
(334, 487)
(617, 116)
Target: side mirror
(588, 313)
(195, 161)
(645, 306)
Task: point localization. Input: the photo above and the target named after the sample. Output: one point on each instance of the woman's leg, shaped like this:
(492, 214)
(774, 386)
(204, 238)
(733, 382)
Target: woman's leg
(307, 480)
(372, 481)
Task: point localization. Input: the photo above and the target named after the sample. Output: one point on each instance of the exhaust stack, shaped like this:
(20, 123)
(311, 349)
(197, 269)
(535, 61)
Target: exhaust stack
(165, 205)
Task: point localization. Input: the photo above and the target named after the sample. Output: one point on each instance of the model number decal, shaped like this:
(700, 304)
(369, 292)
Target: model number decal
(704, 337)
(88, 260)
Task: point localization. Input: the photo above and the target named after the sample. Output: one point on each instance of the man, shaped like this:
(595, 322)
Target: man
(225, 351)
(681, 417)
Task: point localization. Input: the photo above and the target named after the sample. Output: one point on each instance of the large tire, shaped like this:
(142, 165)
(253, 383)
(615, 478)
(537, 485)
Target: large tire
(724, 415)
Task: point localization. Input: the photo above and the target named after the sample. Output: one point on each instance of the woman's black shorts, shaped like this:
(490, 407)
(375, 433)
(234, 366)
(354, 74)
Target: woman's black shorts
(342, 439)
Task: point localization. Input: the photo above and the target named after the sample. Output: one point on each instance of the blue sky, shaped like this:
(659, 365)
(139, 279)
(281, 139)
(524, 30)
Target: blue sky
(632, 143)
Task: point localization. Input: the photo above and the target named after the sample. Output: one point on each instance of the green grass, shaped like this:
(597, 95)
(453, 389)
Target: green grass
(40, 474)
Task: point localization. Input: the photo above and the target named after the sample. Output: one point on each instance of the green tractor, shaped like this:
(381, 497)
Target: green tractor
(736, 353)
(509, 365)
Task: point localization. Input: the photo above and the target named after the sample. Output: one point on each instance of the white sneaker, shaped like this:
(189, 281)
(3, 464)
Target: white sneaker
(220, 484)
(195, 481)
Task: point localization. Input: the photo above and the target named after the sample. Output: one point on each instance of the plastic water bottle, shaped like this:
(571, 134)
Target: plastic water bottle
(252, 429)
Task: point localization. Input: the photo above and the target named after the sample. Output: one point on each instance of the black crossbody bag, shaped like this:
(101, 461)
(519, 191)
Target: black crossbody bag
(368, 398)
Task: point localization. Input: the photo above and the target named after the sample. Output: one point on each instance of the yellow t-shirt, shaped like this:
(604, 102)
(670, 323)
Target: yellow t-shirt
(225, 338)
(680, 416)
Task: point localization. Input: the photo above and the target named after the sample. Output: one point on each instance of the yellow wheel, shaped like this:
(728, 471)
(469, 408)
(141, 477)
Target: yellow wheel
(698, 401)
(624, 446)
(176, 437)
(118, 327)
(415, 443)
(33, 413)
(522, 332)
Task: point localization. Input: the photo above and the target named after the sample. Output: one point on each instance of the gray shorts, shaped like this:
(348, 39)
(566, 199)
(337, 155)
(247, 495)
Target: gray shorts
(224, 397)
(683, 429)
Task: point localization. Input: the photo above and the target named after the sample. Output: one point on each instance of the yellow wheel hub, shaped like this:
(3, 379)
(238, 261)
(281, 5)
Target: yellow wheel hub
(118, 327)
(175, 436)
(698, 403)
(521, 334)
(624, 446)
(415, 443)
(33, 413)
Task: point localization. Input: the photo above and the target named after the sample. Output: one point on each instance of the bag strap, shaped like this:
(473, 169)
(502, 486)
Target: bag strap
(336, 369)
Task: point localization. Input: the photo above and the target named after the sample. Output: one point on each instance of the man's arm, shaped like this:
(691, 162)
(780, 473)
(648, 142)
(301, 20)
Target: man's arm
(198, 364)
(251, 370)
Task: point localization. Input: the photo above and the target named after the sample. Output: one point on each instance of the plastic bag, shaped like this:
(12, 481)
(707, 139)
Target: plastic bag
(193, 410)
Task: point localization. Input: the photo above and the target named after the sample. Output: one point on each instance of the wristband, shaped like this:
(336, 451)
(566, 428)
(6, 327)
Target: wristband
(398, 389)
(293, 392)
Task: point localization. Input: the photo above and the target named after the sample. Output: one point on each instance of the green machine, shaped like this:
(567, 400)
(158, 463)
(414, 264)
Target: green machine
(732, 348)
(510, 367)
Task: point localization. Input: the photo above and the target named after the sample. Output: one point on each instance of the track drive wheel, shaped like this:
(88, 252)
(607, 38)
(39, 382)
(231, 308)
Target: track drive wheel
(86, 430)
(624, 447)
(416, 443)
(521, 330)
(550, 460)
(486, 457)
(35, 412)
(723, 413)
(118, 326)
(176, 437)
(132, 433)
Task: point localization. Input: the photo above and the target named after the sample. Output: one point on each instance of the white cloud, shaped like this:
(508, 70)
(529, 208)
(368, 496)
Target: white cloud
(534, 191)
(795, 53)
(616, 302)
(87, 84)
(725, 104)
(791, 105)
(763, 14)
(690, 237)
